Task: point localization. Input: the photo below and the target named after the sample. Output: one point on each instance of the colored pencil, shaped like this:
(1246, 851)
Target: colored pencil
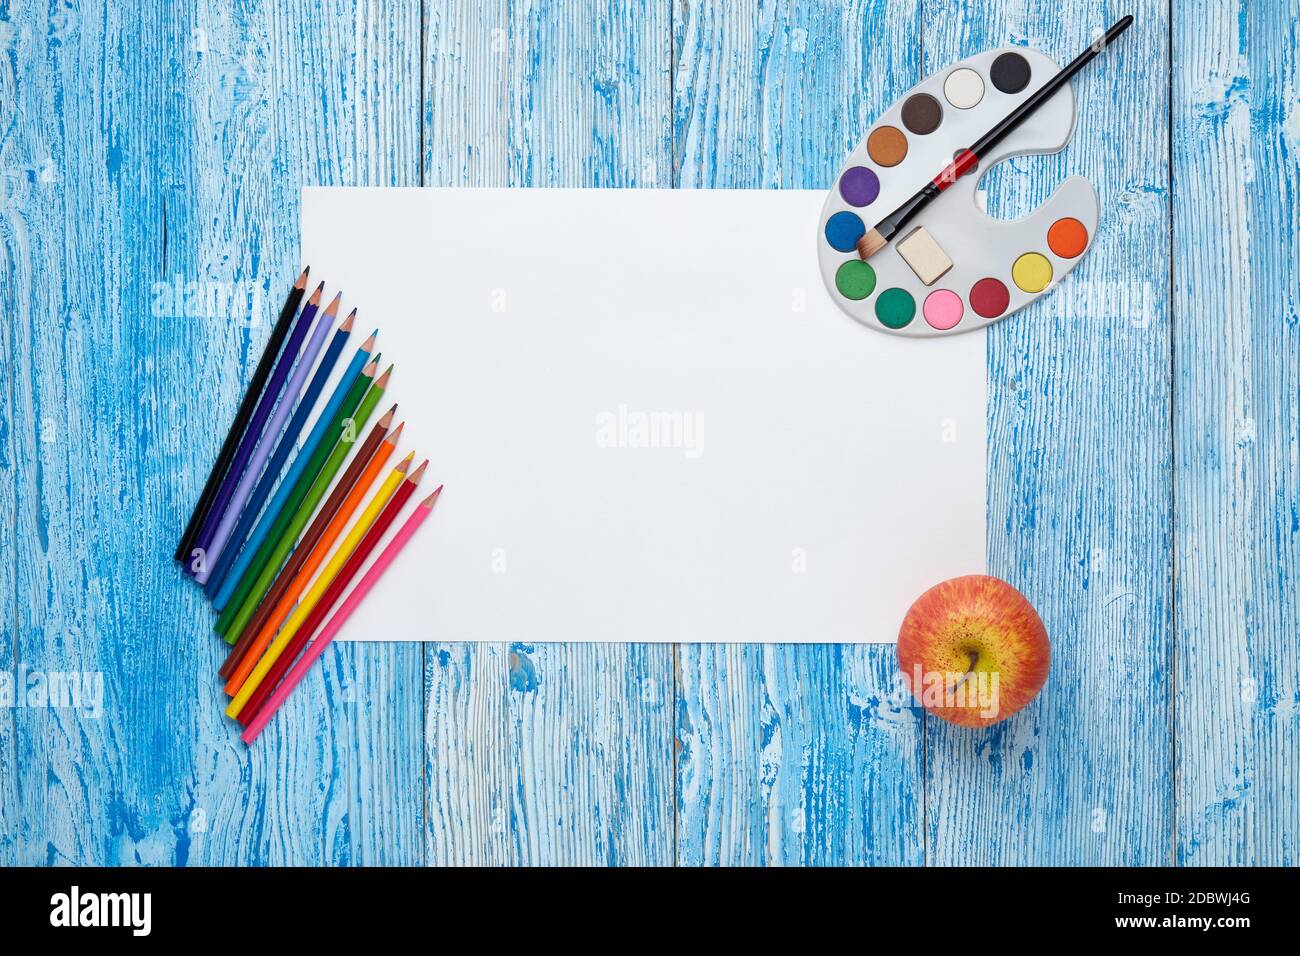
(382, 563)
(305, 476)
(268, 442)
(325, 589)
(244, 413)
(306, 619)
(293, 528)
(285, 447)
(256, 425)
(347, 392)
(293, 579)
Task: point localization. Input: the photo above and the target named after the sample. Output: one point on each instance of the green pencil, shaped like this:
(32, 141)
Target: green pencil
(351, 432)
(317, 461)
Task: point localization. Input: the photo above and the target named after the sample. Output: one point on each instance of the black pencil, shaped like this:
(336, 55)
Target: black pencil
(260, 375)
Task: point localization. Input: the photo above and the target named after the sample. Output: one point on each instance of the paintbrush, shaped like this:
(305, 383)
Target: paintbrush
(968, 159)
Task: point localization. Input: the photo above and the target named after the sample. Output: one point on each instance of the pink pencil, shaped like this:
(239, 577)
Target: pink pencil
(340, 618)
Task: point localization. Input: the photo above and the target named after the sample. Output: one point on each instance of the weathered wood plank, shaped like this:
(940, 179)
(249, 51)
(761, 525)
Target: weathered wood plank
(19, 174)
(1236, 138)
(571, 743)
(468, 801)
(89, 592)
(800, 754)
(175, 141)
(286, 95)
(1079, 479)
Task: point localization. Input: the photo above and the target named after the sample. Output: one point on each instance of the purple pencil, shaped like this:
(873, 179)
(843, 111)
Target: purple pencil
(273, 429)
(254, 431)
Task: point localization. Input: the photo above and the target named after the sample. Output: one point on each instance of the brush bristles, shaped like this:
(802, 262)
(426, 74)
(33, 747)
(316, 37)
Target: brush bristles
(870, 244)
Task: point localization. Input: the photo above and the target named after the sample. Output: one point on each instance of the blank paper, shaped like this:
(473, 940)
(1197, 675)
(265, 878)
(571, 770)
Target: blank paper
(652, 422)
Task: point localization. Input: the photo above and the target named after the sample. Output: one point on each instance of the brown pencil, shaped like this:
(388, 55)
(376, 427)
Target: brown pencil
(304, 547)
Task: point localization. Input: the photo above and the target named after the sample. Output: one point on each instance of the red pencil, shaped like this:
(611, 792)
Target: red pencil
(304, 547)
(331, 595)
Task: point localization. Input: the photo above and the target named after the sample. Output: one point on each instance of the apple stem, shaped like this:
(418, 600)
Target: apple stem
(974, 659)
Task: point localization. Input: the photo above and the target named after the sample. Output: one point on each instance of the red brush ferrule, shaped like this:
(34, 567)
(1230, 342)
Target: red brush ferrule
(962, 164)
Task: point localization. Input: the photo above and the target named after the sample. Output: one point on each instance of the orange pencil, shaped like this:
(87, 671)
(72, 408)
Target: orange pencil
(254, 642)
(242, 638)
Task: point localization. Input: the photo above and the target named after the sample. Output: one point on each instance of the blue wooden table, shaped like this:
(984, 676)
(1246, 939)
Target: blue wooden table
(1144, 468)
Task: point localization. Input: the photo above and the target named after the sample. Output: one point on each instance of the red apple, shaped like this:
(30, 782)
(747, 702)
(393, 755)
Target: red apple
(973, 650)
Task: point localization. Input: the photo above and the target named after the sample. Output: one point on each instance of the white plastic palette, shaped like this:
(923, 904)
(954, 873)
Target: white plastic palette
(996, 267)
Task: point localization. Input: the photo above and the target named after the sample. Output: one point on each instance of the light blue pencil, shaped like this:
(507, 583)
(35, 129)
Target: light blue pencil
(295, 472)
(269, 439)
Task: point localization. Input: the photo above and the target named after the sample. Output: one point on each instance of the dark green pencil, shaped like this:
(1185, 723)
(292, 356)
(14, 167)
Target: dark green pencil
(352, 429)
(300, 489)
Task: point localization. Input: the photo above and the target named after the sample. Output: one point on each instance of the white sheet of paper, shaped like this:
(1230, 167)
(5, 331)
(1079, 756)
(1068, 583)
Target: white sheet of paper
(652, 422)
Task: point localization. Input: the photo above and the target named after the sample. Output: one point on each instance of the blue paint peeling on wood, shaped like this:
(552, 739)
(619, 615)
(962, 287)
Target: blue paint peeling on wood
(1143, 418)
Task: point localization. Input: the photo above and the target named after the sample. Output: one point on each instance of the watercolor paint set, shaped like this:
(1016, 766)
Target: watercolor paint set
(950, 267)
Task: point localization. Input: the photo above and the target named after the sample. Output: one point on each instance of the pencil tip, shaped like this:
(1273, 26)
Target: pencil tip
(382, 381)
(396, 431)
(415, 476)
(370, 367)
(428, 502)
(388, 418)
(302, 279)
(405, 463)
(369, 343)
(315, 296)
(346, 324)
(332, 309)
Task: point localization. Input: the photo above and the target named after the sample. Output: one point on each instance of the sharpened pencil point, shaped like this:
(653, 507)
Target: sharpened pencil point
(302, 279)
(382, 381)
(346, 324)
(397, 432)
(415, 476)
(405, 463)
(371, 366)
(369, 344)
(315, 296)
(428, 502)
(388, 419)
(332, 309)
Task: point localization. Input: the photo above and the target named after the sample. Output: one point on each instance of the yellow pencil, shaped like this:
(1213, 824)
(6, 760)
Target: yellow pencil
(318, 587)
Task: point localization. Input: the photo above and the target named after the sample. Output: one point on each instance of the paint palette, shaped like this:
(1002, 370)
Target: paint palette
(953, 268)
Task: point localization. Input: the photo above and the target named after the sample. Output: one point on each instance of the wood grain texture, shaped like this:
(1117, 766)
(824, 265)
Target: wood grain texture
(284, 96)
(1236, 132)
(179, 141)
(18, 173)
(161, 150)
(801, 754)
(1079, 479)
(563, 751)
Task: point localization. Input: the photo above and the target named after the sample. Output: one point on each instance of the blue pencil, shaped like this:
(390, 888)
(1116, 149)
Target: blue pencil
(300, 462)
(283, 410)
(257, 423)
(288, 441)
